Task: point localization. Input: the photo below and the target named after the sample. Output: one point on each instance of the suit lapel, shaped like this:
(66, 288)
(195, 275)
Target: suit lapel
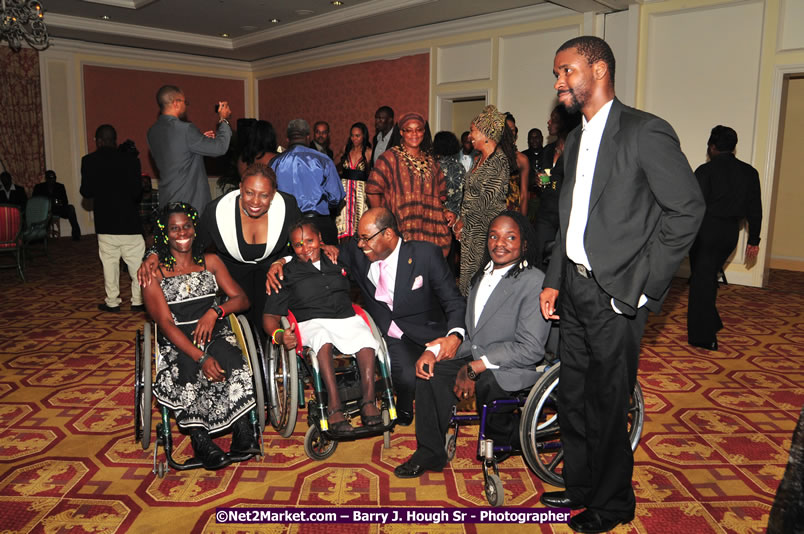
(571, 147)
(404, 272)
(605, 154)
(497, 298)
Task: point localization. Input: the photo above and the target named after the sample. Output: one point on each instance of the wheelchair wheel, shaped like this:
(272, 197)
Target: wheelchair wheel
(451, 446)
(137, 385)
(495, 494)
(316, 446)
(540, 435)
(283, 388)
(143, 396)
(246, 338)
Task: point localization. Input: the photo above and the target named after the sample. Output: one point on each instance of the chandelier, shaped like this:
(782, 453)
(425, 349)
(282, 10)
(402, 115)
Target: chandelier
(23, 20)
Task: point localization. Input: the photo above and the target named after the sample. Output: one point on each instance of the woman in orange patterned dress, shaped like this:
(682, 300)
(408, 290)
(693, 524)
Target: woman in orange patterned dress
(407, 180)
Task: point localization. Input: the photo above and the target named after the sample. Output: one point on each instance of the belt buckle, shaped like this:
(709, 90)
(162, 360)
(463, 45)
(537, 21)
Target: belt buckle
(583, 271)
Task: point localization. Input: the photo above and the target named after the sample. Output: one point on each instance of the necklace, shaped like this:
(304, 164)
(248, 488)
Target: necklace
(418, 165)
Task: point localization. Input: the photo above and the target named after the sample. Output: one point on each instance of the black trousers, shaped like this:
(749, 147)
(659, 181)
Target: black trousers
(68, 212)
(435, 400)
(404, 353)
(716, 240)
(599, 360)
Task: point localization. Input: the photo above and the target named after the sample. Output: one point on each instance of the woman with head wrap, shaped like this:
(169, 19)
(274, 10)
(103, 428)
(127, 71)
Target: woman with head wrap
(407, 180)
(485, 188)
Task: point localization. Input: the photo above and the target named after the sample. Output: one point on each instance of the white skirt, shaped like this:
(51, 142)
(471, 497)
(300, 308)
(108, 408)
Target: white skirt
(348, 335)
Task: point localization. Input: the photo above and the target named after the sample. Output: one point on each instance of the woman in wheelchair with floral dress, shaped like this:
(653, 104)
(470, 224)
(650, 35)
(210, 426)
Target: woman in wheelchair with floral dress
(317, 292)
(201, 375)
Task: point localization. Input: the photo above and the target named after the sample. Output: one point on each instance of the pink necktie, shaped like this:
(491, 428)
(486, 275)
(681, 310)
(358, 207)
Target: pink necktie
(383, 294)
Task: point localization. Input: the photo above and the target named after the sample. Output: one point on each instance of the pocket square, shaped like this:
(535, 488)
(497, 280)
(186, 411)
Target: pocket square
(417, 283)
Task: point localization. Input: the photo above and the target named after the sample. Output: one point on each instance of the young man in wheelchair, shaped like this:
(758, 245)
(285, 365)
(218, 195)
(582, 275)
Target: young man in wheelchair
(201, 375)
(317, 291)
(505, 339)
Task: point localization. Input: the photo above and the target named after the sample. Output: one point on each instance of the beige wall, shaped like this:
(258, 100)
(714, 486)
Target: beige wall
(463, 113)
(696, 63)
(787, 243)
(61, 69)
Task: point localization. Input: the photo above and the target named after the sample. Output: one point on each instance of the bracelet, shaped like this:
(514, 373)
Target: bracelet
(219, 310)
(149, 251)
(203, 359)
(280, 261)
(273, 336)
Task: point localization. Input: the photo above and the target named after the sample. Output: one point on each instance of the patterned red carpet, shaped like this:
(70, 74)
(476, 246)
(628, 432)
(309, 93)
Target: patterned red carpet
(717, 429)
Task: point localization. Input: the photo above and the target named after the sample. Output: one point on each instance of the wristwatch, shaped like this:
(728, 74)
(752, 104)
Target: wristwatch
(470, 373)
(219, 311)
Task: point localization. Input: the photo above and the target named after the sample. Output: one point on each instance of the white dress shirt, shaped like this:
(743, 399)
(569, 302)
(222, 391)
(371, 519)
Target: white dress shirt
(485, 287)
(587, 158)
(579, 214)
(382, 144)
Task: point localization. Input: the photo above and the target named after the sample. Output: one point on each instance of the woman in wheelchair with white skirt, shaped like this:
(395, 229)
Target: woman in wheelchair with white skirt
(505, 339)
(201, 376)
(317, 292)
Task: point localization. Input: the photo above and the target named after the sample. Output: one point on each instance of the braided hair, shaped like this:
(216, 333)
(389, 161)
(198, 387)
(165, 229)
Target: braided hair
(528, 255)
(161, 238)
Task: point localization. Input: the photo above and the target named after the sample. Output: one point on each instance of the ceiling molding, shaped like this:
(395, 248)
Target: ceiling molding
(128, 4)
(365, 45)
(151, 60)
(143, 32)
(339, 16)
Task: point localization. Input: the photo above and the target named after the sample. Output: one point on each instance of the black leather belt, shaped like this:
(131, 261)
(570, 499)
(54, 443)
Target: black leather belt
(582, 270)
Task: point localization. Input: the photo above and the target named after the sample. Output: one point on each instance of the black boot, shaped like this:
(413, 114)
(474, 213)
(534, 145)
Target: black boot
(205, 450)
(243, 441)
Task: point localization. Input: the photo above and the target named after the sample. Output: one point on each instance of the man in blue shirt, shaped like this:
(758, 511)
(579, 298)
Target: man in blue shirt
(311, 178)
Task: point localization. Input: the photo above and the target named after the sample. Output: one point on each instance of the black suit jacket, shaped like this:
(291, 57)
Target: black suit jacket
(644, 210)
(112, 179)
(56, 193)
(423, 314)
(16, 196)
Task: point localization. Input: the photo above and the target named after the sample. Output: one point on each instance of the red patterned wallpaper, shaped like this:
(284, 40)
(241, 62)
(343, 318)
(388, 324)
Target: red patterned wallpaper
(345, 95)
(126, 99)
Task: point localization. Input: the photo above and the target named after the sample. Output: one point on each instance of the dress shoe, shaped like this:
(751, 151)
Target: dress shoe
(412, 470)
(207, 451)
(590, 521)
(243, 441)
(111, 309)
(138, 307)
(559, 499)
(712, 345)
(404, 418)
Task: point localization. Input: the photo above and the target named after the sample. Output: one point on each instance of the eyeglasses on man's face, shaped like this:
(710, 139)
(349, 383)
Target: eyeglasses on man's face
(360, 239)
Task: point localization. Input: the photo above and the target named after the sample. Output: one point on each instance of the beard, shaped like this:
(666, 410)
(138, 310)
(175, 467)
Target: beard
(183, 116)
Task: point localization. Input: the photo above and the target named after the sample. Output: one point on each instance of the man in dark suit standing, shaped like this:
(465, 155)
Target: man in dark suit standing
(732, 193)
(59, 205)
(410, 293)
(629, 210)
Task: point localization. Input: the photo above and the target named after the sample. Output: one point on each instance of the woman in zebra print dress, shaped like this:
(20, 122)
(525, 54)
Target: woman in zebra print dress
(485, 189)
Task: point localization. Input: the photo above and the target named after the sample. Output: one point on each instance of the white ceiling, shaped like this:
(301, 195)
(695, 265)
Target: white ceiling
(196, 26)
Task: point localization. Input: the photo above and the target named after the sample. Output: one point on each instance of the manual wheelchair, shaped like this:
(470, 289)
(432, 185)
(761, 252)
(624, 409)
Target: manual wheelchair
(146, 359)
(539, 434)
(286, 373)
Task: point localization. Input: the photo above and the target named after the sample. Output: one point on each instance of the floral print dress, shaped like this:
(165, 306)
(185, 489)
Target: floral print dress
(180, 384)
